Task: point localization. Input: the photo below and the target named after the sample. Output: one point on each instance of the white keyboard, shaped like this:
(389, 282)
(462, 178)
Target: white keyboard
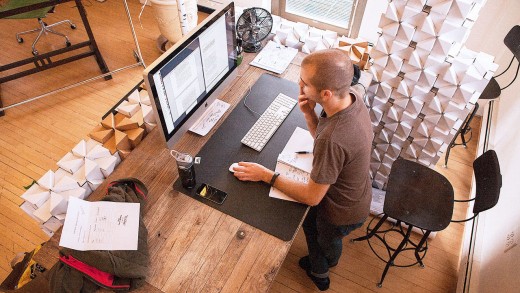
(264, 128)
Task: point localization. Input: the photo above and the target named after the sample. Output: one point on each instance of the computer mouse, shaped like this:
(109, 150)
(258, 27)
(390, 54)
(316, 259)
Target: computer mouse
(232, 167)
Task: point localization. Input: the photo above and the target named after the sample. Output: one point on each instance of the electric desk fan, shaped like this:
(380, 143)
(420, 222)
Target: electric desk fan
(253, 26)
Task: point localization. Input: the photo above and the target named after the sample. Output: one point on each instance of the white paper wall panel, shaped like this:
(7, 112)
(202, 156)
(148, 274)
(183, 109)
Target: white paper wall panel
(425, 80)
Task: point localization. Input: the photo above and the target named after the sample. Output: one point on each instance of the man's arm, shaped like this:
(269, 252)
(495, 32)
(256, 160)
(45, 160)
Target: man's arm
(312, 123)
(311, 193)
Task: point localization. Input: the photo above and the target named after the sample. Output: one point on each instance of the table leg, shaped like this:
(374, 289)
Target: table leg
(93, 45)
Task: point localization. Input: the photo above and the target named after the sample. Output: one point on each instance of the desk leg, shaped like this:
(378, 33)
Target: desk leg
(93, 45)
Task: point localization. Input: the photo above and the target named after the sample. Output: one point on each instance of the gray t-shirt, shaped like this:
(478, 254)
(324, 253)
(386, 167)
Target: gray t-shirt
(342, 150)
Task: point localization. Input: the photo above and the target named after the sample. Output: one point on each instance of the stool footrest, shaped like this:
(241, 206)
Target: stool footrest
(406, 243)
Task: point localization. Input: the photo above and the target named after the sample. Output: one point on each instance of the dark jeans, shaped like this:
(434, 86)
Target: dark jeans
(324, 242)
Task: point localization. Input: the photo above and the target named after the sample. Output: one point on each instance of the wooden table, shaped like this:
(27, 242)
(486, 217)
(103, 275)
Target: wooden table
(194, 247)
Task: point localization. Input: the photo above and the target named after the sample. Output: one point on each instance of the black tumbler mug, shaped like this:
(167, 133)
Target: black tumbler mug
(186, 169)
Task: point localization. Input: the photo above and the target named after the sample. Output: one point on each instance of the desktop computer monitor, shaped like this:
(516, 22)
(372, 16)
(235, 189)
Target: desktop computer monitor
(189, 76)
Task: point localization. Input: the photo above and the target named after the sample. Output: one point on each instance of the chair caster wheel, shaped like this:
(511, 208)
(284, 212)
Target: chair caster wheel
(68, 44)
(20, 40)
(73, 26)
(422, 266)
(445, 166)
(35, 52)
(352, 241)
(379, 285)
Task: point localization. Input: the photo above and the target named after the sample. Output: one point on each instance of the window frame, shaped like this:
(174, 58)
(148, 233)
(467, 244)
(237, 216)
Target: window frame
(278, 8)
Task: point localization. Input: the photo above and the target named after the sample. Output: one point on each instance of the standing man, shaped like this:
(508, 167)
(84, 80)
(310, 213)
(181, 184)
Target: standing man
(339, 190)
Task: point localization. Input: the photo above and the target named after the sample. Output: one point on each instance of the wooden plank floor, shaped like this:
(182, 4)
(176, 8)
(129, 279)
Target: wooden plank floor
(33, 137)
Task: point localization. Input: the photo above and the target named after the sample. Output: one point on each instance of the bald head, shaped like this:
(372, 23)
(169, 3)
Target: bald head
(330, 69)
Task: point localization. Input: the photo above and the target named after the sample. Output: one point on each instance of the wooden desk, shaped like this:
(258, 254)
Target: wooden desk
(194, 247)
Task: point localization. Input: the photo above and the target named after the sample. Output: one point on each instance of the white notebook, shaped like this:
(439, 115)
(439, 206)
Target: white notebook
(293, 165)
(274, 57)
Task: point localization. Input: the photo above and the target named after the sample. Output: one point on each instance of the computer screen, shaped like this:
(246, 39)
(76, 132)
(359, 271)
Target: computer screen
(189, 76)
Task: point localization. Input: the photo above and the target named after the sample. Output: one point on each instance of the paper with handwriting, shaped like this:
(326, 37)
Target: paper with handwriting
(210, 117)
(274, 57)
(293, 165)
(100, 225)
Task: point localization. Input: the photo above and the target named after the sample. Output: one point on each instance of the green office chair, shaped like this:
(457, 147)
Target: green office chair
(39, 14)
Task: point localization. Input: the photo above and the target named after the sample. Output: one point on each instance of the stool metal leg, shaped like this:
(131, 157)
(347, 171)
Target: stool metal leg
(394, 255)
(467, 123)
(373, 231)
(419, 247)
(464, 128)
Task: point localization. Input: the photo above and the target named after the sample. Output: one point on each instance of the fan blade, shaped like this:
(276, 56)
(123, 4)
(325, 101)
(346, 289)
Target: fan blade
(252, 15)
(246, 37)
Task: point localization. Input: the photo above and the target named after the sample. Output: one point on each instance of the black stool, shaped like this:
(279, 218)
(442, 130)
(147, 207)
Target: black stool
(492, 90)
(416, 196)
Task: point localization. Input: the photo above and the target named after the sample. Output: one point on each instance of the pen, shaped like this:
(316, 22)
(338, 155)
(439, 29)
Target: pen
(303, 152)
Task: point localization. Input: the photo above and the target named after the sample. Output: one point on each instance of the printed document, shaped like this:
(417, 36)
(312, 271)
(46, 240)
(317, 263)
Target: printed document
(274, 57)
(100, 225)
(295, 161)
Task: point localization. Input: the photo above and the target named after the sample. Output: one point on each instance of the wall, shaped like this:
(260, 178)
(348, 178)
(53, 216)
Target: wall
(494, 270)
(370, 24)
(266, 4)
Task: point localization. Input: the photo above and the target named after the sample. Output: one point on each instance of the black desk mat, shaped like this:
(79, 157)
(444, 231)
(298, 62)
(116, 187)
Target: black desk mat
(250, 201)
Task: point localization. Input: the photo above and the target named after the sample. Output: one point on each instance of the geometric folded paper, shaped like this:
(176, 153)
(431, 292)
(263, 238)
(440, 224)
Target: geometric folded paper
(137, 106)
(118, 133)
(357, 49)
(49, 196)
(144, 114)
(314, 44)
(425, 81)
(89, 162)
(100, 155)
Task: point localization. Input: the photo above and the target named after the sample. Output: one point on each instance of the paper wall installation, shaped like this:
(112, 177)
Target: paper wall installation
(425, 81)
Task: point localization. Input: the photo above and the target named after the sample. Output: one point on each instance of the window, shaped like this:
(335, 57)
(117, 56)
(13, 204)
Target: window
(342, 16)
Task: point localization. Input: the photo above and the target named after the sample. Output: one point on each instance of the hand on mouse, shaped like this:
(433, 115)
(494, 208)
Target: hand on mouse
(247, 171)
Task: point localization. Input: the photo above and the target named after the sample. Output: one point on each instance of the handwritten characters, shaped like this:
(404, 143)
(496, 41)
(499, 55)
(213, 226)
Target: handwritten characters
(210, 117)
